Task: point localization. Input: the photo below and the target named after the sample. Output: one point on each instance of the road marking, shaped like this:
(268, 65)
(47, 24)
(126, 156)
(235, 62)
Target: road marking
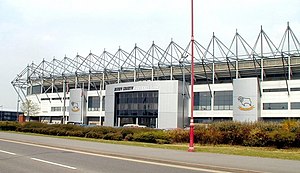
(53, 163)
(8, 152)
(120, 158)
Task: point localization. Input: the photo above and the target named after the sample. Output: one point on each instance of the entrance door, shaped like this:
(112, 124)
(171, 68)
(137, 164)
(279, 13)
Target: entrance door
(149, 122)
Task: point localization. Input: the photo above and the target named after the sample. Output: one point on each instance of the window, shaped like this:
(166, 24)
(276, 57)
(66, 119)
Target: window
(36, 89)
(275, 106)
(275, 90)
(103, 103)
(223, 100)
(202, 101)
(295, 89)
(93, 103)
(295, 105)
(137, 104)
(56, 109)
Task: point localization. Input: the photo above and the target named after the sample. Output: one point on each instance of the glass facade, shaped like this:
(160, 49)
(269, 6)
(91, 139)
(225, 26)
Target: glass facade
(275, 106)
(36, 89)
(93, 103)
(275, 90)
(141, 106)
(223, 100)
(295, 89)
(137, 104)
(103, 103)
(56, 109)
(295, 105)
(9, 116)
(202, 101)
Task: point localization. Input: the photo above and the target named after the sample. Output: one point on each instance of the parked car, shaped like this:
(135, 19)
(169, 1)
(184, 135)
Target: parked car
(134, 125)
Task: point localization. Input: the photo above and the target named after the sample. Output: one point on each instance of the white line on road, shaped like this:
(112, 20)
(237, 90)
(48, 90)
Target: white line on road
(8, 152)
(116, 157)
(53, 163)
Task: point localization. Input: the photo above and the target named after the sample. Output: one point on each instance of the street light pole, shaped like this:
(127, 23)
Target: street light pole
(191, 145)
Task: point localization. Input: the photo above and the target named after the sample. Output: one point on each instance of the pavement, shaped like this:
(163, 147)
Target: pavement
(221, 162)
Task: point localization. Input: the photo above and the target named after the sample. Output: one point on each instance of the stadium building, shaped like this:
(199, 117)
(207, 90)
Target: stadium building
(239, 81)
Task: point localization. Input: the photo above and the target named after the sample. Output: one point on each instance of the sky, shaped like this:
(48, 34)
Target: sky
(33, 30)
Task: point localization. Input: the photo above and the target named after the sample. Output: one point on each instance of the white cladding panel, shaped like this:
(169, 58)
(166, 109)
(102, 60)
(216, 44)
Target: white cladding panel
(246, 99)
(77, 105)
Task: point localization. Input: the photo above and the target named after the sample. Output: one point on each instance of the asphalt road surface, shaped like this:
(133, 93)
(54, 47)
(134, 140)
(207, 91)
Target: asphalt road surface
(23, 157)
(26, 153)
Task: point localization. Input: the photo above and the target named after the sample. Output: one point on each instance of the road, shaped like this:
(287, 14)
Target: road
(23, 157)
(25, 153)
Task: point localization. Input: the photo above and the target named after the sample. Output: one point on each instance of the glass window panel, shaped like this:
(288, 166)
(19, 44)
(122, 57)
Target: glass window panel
(275, 106)
(36, 89)
(223, 100)
(202, 101)
(136, 103)
(295, 105)
(103, 103)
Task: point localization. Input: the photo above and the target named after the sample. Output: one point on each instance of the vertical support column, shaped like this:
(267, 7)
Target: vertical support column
(89, 82)
(289, 67)
(118, 76)
(42, 85)
(212, 100)
(171, 74)
(137, 121)
(289, 55)
(134, 75)
(262, 68)
(152, 73)
(237, 57)
(119, 121)
(64, 101)
(213, 68)
(262, 54)
(103, 81)
(134, 71)
(76, 81)
(52, 85)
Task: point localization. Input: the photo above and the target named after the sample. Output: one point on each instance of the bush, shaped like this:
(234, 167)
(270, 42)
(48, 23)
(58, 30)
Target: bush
(256, 138)
(297, 138)
(283, 138)
(232, 133)
(290, 125)
(77, 133)
(210, 136)
(179, 135)
(128, 137)
(93, 134)
(152, 137)
(258, 134)
(113, 136)
(8, 125)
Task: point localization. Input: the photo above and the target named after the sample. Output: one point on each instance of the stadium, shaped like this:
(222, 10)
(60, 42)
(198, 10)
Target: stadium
(239, 82)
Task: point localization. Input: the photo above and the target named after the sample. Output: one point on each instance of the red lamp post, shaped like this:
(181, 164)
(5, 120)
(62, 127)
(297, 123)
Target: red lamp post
(191, 145)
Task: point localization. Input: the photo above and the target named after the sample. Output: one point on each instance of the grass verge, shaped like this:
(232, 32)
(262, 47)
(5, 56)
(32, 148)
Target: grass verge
(267, 152)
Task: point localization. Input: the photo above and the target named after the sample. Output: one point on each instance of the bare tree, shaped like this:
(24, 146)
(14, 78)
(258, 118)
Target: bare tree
(30, 108)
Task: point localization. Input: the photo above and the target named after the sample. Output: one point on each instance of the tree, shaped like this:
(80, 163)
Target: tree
(30, 108)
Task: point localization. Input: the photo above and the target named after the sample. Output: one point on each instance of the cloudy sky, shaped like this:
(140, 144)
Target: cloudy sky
(32, 30)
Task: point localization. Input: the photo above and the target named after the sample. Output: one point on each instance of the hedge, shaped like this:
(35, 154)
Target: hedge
(259, 134)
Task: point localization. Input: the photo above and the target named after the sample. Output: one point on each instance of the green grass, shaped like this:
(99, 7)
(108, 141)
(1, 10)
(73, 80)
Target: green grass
(267, 152)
